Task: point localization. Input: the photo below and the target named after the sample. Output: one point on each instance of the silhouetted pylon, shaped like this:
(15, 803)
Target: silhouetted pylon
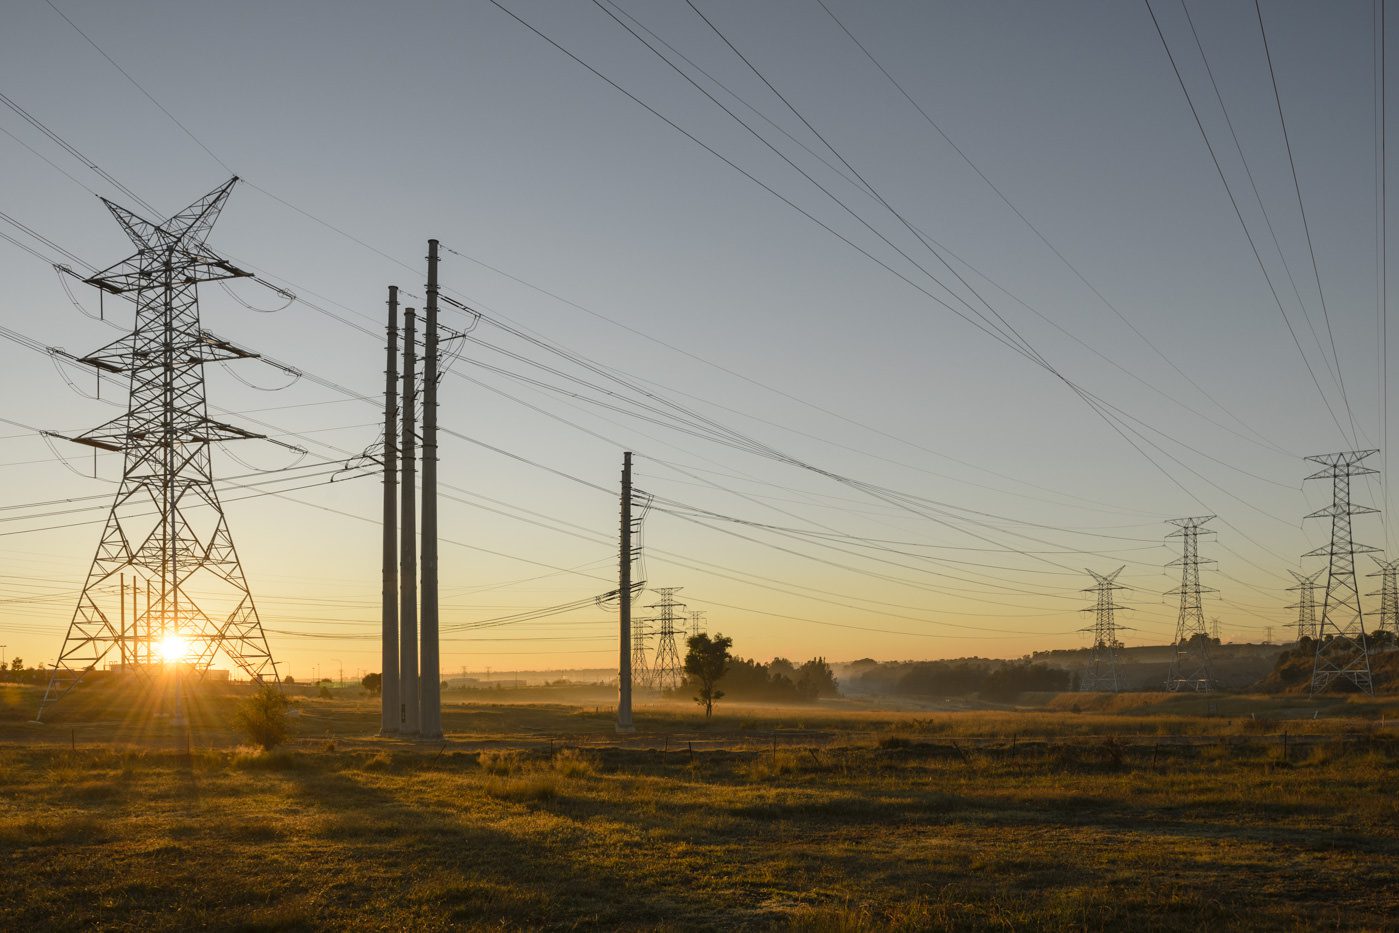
(1388, 594)
(166, 527)
(1341, 652)
(1306, 603)
(1102, 669)
(1190, 667)
(667, 671)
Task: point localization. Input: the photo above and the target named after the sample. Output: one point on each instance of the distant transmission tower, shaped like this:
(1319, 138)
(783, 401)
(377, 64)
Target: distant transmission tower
(1102, 670)
(1306, 603)
(1388, 594)
(668, 671)
(640, 668)
(1341, 651)
(1190, 667)
(166, 527)
(696, 623)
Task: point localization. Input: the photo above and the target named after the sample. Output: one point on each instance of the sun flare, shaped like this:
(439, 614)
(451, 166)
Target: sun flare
(173, 648)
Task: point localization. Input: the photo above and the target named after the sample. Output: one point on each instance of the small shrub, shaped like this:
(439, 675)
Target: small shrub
(531, 788)
(263, 718)
(379, 761)
(282, 759)
(572, 762)
(500, 760)
(773, 764)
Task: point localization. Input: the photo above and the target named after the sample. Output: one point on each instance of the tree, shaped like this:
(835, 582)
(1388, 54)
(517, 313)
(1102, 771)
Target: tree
(816, 679)
(16, 664)
(706, 661)
(289, 680)
(374, 683)
(265, 717)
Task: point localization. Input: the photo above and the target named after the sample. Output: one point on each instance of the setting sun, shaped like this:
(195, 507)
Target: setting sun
(174, 648)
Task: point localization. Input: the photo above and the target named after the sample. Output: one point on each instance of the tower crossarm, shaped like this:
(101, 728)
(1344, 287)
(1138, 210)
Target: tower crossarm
(130, 275)
(1192, 561)
(1333, 511)
(1355, 548)
(1190, 589)
(123, 355)
(1346, 463)
(118, 434)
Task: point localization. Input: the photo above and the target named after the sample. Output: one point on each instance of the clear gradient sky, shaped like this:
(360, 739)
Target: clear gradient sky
(397, 122)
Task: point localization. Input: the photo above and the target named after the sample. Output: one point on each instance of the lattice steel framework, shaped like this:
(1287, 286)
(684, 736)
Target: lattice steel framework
(1190, 666)
(1101, 675)
(668, 671)
(1306, 603)
(166, 527)
(640, 667)
(1341, 652)
(639, 506)
(1388, 594)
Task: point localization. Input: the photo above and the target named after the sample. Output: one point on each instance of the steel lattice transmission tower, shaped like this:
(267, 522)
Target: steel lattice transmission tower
(1190, 667)
(668, 671)
(1102, 670)
(1388, 594)
(1306, 603)
(640, 668)
(166, 528)
(1341, 651)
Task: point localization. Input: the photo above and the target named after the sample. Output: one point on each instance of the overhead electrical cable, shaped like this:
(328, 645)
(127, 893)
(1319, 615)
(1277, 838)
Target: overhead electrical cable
(1031, 225)
(1243, 224)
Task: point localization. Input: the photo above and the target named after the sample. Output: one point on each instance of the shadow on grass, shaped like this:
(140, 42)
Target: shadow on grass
(443, 864)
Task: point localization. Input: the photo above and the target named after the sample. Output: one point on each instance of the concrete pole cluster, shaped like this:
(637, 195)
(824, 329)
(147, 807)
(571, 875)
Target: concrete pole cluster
(412, 691)
(389, 695)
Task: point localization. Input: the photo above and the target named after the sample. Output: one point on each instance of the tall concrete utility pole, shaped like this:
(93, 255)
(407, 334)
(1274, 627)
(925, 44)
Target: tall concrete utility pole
(624, 717)
(388, 680)
(408, 723)
(431, 690)
(1341, 651)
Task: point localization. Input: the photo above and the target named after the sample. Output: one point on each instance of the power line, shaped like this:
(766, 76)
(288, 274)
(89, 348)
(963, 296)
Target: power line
(1026, 220)
(138, 87)
(1302, 209)
(1239, 214)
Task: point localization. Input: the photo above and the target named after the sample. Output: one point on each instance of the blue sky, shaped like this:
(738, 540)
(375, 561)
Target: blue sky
(393, 123)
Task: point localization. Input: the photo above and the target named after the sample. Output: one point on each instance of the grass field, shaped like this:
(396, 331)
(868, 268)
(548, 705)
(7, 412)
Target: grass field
(1142, 814)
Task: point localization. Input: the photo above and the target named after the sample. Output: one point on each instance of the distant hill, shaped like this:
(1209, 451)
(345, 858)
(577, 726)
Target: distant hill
(1236, 666)
(1293, 671)
(1142, 668)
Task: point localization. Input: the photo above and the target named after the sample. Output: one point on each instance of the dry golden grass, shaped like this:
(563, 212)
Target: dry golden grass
(534, 817)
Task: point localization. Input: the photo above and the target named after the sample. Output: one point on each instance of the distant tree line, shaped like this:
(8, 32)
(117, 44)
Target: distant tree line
(778, 681)
(708, 662)
(16, 673)
(992, 680)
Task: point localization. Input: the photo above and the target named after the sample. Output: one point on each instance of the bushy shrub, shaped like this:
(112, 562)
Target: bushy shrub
(264, 718)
